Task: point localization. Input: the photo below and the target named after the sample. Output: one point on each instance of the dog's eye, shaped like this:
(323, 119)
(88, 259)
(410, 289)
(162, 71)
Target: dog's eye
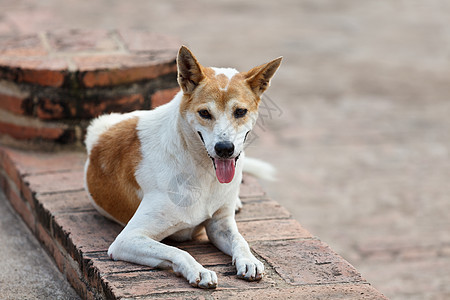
(240, 112)
(204, 114)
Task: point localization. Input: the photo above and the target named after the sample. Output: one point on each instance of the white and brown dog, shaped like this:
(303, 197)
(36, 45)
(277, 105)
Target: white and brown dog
(174, 170)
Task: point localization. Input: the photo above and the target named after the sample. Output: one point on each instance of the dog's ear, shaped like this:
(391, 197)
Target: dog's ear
(189, 70)
(259, 77)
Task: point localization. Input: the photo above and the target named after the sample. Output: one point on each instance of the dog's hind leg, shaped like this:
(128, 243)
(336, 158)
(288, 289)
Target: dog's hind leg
(137, 243)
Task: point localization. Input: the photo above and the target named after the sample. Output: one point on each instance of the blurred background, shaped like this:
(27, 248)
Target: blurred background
(356, 121)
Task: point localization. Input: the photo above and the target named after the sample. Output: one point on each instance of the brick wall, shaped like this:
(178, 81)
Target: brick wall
(53, 83)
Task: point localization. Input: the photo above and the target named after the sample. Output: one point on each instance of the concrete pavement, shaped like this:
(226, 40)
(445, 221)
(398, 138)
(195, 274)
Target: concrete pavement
(27, 271)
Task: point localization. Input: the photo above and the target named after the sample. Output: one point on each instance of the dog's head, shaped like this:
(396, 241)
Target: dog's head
(221, 105)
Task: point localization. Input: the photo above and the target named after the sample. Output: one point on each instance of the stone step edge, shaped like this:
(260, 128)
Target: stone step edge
(86, 281)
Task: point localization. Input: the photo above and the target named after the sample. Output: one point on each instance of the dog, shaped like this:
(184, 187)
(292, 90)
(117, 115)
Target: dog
(176, 170)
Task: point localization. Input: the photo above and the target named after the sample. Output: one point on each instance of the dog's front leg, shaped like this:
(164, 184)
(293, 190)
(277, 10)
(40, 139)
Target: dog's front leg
(223, 233)
(138, 243)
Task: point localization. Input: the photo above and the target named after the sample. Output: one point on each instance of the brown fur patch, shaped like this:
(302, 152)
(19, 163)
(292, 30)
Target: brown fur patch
(112, 165)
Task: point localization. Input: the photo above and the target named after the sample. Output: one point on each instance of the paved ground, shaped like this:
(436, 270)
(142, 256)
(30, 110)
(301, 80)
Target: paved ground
(359, 129)
(27, 271)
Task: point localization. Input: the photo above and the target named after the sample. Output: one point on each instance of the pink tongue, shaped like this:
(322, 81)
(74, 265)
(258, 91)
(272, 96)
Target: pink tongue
(224, 170)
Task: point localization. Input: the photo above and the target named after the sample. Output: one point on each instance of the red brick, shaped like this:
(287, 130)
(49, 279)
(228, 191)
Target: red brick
(44, 71)
(4, 182)
(123, 104)
(301, 262)
(8, 164)
(74, 278)
(49, 243)
(27, 162)
(156, 282)
(142, 41)
(188, 296)
(54, 109)
(250, 188)
(44, 77)
(261, 210)
(87, 108)
(21, 207)
(13, 98)
(25, 46)
(82, 40)
(91, 296)
(48, 109)
(12, 103)
(314, 292)
(30, 132)
(66, 202)
(205, 253)
(272, 230)
(46, 183)
(31, 19)
(88, 231)
(106, 265)
(14, 178)
(110, 70)
(27, 194)
(163, 96)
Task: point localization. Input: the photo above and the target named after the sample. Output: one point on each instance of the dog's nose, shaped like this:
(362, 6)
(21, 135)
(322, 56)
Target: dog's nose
(224, 149)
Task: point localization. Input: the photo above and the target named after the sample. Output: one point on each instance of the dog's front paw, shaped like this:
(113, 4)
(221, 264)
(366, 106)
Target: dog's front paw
(203, 278)
(249, 268)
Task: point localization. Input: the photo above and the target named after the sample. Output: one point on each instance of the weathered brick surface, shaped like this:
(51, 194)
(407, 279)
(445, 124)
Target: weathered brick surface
(261, 210)
(65, 76)
(141, 42)
(314, 292)
(66, 202)
(22, 207)
(123, 104)
(82, 41)
(48, 109)
(30, 132)
(301, 262)
(45, 183)
(33, 163)
(162, 97)
(87, 231)
(156, 282)
(251, 189)
(22, 46)
(42, 71)
(278, 229)
(63, 219)
(136, 69)
(13, 99)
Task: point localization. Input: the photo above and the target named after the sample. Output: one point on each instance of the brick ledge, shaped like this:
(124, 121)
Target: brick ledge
(46, 190)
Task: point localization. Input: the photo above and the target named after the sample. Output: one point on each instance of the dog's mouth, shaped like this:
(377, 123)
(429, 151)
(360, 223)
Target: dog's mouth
(225, 168)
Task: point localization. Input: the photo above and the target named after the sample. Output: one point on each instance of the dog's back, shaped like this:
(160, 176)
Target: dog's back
(109, 177)
(101, 124)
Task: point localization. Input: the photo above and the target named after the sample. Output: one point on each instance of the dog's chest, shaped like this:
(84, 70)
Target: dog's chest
(197, 200)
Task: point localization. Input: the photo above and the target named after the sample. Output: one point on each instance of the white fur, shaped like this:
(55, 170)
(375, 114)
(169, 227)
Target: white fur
(103, 123)
(259, 168)
(228, 72)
